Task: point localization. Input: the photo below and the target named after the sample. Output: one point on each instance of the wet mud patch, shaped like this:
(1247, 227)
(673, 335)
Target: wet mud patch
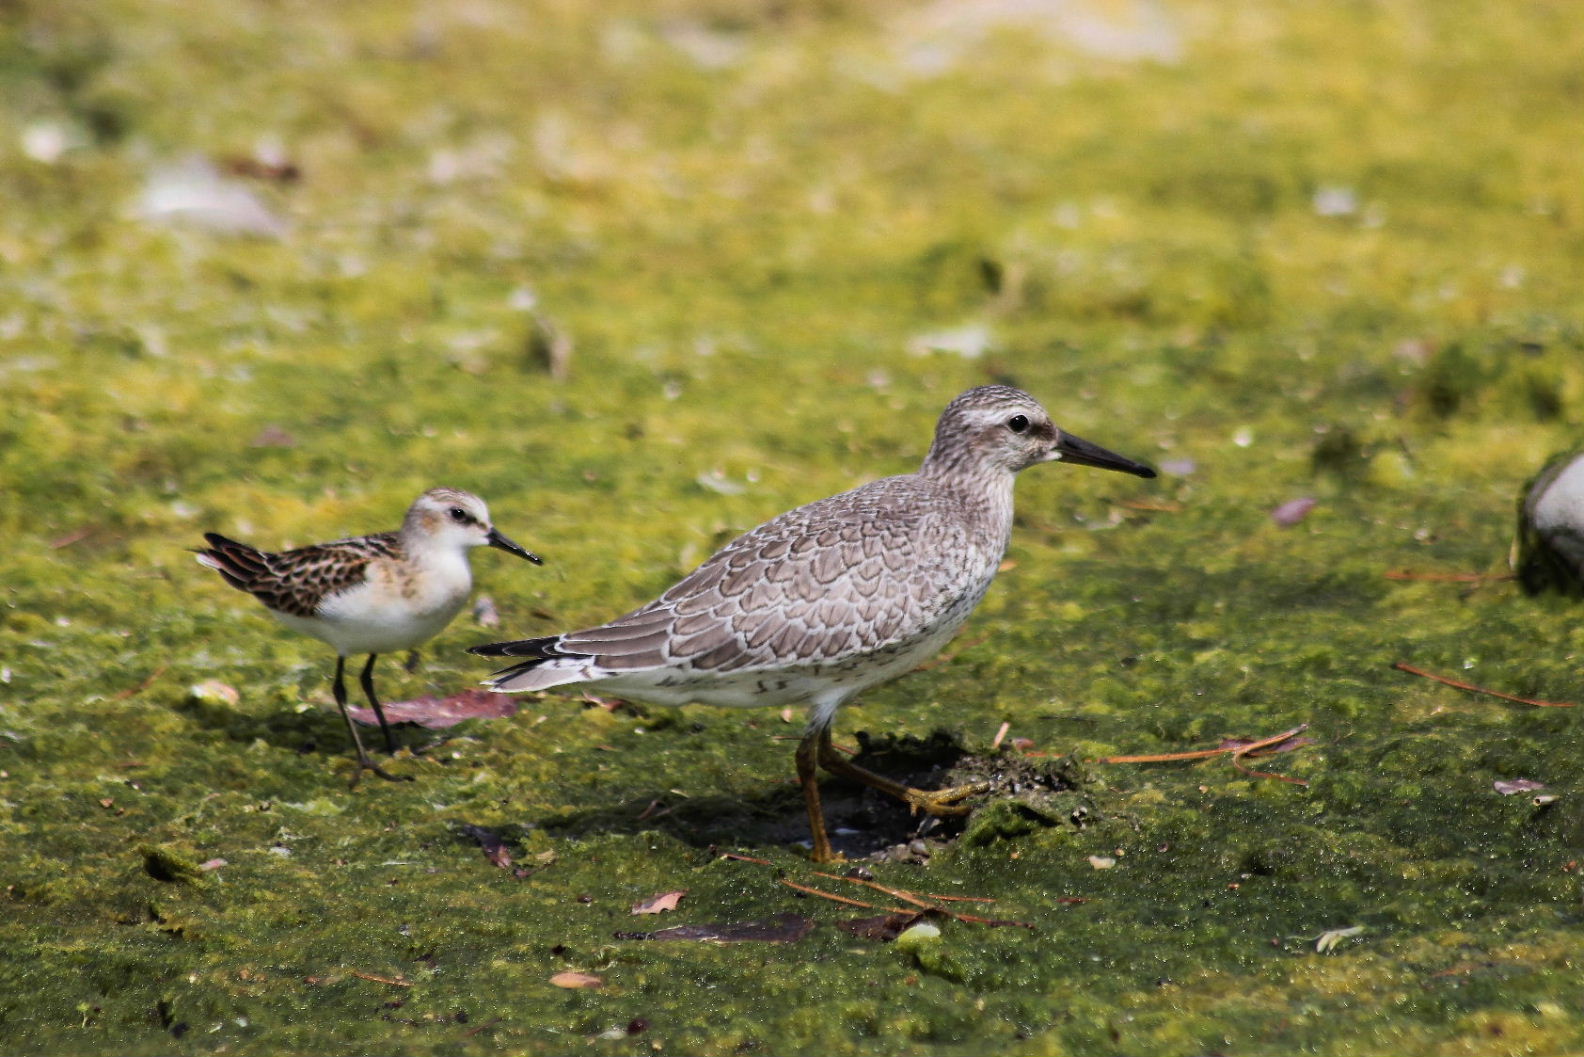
(1021, 794)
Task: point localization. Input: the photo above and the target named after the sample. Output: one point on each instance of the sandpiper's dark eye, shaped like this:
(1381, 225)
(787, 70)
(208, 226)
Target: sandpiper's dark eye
(460, 515)
(1018, 423)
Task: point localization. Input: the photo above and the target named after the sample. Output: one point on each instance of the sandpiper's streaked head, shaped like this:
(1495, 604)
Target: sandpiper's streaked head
(1001, 428)
(450, 517)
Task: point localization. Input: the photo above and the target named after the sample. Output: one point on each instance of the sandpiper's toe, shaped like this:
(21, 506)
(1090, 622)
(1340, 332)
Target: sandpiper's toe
(364, 763)
(944, 802)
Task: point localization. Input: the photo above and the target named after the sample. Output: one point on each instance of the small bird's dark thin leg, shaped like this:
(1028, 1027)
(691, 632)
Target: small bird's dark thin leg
(367, 680)
(364, 762)
(807, 754)
(934, 802)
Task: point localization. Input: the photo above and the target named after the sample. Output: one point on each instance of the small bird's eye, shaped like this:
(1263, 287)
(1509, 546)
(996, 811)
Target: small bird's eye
(458, 514)
(1018, 423)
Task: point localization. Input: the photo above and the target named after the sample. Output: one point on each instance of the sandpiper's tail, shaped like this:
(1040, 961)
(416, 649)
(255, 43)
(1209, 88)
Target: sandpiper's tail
(240, 564)
(547, 664)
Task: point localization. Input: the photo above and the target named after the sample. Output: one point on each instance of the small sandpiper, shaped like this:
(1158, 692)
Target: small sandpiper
(1549, 551)
(831, 598)
(370, 594)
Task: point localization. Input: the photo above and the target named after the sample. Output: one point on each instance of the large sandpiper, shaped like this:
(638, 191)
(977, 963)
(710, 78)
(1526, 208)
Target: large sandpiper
(831, 598)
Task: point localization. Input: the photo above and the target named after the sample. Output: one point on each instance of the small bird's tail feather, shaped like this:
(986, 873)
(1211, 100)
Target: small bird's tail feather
(238, 563)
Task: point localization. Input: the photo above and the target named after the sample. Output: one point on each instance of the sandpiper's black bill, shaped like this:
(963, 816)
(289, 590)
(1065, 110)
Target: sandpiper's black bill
(1081, 452)
(499, 541)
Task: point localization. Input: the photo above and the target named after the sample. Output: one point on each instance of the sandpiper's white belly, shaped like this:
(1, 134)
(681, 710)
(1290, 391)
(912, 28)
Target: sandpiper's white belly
(397, 607)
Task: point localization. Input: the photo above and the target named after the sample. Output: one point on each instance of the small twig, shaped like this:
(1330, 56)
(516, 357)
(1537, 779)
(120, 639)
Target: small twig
(920, 905)
(1000, 735)
(1234, 753)
(902, 893)
(74, 536)
(1404, 666)
(139, 688)
(1462, 969)
(895, 893)
(1449, 578)
(470, 1032)
(734, 857)
(656, 809)
(975, 919)
(1165, 757)
(1252, 773)
(393, 981)
(928, 907)
(957, 899)
(833, 897)
(1253, 748)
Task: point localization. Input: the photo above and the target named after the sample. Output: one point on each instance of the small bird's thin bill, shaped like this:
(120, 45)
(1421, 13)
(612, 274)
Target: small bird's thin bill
(498, 540)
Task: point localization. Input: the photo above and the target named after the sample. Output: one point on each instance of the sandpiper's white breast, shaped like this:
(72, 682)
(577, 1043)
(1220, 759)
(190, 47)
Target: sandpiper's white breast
(399, 605)
(1561, 504)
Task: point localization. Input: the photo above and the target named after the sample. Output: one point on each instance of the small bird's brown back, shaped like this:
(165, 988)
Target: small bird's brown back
(297, 581)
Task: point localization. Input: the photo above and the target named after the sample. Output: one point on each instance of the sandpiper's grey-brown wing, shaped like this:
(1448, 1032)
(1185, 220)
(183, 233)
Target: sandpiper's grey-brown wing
(296, 581)
(843, 576)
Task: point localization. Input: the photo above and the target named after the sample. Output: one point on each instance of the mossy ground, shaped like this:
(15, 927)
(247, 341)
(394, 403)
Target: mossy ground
(1322, 250)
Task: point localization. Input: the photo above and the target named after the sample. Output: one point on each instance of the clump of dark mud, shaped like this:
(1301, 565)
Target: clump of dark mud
(1021, 794)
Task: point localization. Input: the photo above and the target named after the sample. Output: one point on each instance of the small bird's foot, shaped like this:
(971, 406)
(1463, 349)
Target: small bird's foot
(941, 802)
(366, 764)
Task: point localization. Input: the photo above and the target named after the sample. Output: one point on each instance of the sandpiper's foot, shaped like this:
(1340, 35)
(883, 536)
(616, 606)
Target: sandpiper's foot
(365, 763)
(943, 802)
(934, 802)
(827, 857)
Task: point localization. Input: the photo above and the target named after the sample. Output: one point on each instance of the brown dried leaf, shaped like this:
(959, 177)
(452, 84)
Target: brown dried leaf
(437, 714)
(495, 849)
(660, 903)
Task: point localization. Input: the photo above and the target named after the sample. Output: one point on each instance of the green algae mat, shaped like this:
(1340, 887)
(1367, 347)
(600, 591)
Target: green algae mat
(643, 275)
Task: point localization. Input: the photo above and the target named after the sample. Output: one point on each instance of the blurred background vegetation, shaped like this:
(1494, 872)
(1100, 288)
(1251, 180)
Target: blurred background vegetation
(644, 274)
